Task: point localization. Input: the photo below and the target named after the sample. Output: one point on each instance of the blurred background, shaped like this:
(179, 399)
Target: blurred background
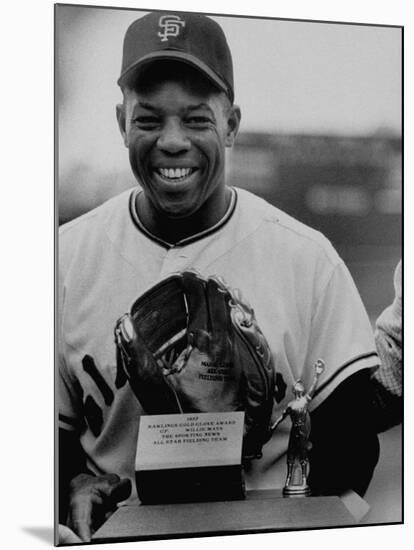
(320, 138)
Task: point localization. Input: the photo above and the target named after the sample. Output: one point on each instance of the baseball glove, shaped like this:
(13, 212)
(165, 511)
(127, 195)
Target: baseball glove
(192, 344)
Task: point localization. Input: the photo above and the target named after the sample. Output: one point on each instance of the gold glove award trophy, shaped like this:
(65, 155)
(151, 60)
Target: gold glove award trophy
(203, 372)
(189, 477)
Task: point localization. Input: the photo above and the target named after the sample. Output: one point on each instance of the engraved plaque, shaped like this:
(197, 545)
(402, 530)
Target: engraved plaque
(190, 457)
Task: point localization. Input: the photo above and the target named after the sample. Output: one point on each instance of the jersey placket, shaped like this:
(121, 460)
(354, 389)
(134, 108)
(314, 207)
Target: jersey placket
(176, 259)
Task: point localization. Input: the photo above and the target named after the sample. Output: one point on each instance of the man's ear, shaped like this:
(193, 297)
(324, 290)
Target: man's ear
(233, 123)
(120, 115)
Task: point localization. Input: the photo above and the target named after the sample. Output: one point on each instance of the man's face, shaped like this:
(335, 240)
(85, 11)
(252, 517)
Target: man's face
(176, 135)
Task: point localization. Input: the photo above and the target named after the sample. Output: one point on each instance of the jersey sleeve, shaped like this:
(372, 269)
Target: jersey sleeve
(387, 381)
(388, 337)
(68, 390)
(341, 335)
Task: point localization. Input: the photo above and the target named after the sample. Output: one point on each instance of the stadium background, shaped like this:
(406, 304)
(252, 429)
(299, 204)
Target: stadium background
(320, 139)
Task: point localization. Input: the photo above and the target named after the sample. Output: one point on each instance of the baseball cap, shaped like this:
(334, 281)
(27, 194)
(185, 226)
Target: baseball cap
(188, 37)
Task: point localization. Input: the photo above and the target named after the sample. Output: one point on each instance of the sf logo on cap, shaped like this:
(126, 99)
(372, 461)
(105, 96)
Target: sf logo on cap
(171, 26)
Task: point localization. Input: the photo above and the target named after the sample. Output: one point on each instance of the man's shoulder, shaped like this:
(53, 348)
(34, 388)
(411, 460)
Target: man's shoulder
(96, 219)
(293, 234)
(88, 235)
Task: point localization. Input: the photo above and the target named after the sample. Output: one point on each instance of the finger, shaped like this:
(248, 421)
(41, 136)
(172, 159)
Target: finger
(104, 485)
(113, 488)
(217, 297)
(83, 529)
(111, 479)
(89, 510)
(148, 384)
(80, 519)
(120, 491)
(194, 289)
(150, 312)
(131, 342)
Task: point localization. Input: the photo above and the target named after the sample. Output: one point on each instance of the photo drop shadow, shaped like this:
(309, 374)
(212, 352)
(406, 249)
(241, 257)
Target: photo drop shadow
(43, 533)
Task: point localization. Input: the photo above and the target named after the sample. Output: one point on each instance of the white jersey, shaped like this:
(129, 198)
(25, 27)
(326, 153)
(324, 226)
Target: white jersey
(303, 295)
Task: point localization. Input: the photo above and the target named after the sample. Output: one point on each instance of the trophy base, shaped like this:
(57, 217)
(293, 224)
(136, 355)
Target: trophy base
(190, 484)
(260, 512)
(297, 491)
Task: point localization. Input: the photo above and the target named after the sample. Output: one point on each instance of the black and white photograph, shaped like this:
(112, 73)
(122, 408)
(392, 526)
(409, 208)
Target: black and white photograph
(229, 274)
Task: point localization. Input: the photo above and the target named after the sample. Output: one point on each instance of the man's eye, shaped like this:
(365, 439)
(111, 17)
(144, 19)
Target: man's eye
(198, 120)
(146, 121)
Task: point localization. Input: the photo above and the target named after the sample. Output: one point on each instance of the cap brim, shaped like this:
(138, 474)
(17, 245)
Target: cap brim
(179, 56)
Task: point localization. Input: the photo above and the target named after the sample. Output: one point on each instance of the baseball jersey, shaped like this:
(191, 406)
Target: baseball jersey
(303, 296)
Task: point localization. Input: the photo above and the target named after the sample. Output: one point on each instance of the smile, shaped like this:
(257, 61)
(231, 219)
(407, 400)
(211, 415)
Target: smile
(174, 174)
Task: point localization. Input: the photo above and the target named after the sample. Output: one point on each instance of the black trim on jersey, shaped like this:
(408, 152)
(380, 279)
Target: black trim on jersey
(207, 232)
(90, 368)
(343, 367)
(138, 224)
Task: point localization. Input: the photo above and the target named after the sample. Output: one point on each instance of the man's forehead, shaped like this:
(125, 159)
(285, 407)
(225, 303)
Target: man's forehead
(150, 104)
(176, 96)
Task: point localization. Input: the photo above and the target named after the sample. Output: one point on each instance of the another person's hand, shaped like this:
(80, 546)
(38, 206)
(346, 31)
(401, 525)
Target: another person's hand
(67, 536)
(92, 500)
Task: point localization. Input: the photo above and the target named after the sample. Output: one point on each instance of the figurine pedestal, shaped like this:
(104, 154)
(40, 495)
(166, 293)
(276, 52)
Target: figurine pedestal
(260, 512)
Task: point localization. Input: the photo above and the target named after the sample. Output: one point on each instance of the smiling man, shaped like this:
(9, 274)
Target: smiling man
(177, 118)
(176, 126)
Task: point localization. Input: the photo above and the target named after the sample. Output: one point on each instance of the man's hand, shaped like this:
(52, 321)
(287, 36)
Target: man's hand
(92, 500)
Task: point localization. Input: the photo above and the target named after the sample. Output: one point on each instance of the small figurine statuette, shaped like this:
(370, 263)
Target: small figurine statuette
(299, 444)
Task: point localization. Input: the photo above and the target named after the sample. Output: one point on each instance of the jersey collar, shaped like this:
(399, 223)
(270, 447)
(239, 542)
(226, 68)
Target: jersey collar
(188, 240)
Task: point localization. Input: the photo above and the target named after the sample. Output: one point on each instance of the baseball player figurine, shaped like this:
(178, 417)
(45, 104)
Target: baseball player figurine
(299, 444)
(190, 342)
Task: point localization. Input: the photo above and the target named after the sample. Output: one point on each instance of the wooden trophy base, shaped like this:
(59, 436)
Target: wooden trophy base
(260, 512)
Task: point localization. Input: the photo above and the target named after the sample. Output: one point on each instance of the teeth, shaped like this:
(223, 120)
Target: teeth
(174, 173)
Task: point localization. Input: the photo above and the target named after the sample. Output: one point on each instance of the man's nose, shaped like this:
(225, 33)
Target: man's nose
(173, 139)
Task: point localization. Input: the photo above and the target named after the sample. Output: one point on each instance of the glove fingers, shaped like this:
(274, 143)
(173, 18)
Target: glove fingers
(195, 294)
(160, 313)
(217, 297)
(151, 388)
(149, 385)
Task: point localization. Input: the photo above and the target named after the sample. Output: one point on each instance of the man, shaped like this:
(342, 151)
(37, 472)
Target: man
(387, 380)
(177, 118)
